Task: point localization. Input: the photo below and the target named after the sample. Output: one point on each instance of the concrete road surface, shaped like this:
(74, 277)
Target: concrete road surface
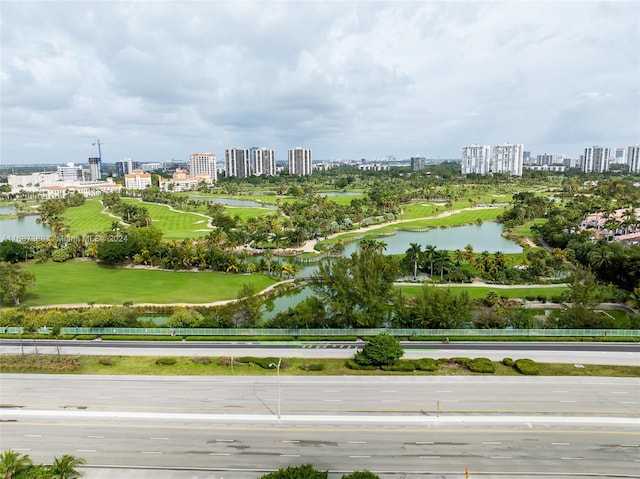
(217, 427)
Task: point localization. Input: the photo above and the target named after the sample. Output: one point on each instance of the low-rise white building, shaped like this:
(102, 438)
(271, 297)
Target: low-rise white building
(137, 180)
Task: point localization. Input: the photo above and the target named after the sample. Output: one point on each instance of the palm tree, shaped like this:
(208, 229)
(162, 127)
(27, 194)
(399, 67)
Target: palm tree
(443, 262)
(65, 467)
(458, 256)
(14, 465)
(415, 252)
(430, 254)
(468, 253)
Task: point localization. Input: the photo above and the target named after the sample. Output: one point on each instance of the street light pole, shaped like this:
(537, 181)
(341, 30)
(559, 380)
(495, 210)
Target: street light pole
(277, 381)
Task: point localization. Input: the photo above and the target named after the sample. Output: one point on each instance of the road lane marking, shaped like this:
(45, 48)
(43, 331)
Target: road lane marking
(629, 445)
(488, 443)
(388, 391)
(290, 442)
(619, 392)
(332, 400)
(629, 402)
(33, 435)
(559, 443)
(359, 457)
(95, 437)
(571, 458)
(429, 457)
(424, 442)
(151, 452)
(391, 400)
(560, 391)
(20, 449)
(225, 440)
(500, 457)
(330, 390)
(569, 401)
(85, 450)
(159, 438)
(104, 397)
(289, 455)
(357, 442)
(444, 391)
(219, 454)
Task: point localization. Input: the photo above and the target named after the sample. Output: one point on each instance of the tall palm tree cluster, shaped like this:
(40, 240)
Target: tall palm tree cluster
(14, 465)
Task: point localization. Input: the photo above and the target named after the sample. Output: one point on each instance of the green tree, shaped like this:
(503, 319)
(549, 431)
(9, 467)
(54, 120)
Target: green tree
(14, 465)
(361, 475)
(305, 471)
(65, 467)
(14, 283)
(414, 253)
(249, 304)
(381, 350)
(358, 290)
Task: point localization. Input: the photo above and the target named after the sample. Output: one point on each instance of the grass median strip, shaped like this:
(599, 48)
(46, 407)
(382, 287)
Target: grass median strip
(245, 366)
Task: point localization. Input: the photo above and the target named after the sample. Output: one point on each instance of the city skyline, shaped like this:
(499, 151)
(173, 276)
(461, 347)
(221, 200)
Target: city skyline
(161, 80)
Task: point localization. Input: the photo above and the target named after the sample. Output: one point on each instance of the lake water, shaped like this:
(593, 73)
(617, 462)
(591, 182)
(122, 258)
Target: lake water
(27, 228)
(487, 236)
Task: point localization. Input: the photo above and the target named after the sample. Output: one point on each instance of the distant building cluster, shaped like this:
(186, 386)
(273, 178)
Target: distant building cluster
(598, 159)
(511, 159)
(67, 179)
(482, 160)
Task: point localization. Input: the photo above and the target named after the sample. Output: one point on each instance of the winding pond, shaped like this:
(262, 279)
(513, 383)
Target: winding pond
(487, 236)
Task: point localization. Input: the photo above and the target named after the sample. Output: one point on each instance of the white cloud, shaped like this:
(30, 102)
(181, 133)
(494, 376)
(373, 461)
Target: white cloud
(157, 80)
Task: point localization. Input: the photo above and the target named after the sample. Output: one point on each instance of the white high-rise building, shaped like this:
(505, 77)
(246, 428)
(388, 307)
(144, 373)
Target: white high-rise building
(507, 158)
(236, 162)
(596, 159)
(633, 158)
(203, 164)
(300, 161)
(263, 161)
(475, 159)
(70, 173)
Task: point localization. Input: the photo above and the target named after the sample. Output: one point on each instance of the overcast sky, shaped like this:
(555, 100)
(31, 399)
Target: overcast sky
(155, 80)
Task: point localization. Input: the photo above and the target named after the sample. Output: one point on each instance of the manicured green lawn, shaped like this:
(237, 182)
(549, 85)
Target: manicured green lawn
(174, 224)
(78, 282)
(88, 218)
(247, 212)
(480, 292)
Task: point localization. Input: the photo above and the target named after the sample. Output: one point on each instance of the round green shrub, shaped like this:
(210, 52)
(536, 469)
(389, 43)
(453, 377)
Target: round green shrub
(482, 365)
(527, 366)
(507, 362)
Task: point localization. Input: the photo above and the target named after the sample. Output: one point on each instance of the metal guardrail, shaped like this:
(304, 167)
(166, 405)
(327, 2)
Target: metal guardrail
(296, 332)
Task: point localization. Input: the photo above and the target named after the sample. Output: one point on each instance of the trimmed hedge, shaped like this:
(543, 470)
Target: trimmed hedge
(482, 365)
(352, 364)
(262, 362)
(406, 365)
(527, 366)
(426, 364)
(507, 362)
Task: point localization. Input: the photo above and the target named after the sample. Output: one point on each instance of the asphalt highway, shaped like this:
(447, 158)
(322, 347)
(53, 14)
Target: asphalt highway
(216, 427)
(560, 352)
